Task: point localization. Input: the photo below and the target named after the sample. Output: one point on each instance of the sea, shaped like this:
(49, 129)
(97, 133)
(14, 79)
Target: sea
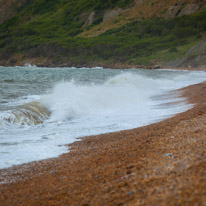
(44, 109)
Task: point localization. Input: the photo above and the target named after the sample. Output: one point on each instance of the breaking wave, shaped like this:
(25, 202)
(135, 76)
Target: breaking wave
(124, 93)
(31, 114)
(118, 94)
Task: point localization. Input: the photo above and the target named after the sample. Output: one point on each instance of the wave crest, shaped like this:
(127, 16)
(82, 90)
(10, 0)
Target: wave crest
(30, 114)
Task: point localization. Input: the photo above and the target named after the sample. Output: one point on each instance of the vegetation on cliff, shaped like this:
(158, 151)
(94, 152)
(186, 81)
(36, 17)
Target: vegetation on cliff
(52, 30)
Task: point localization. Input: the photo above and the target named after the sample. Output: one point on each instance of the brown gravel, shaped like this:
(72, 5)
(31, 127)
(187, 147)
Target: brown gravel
(160, 164)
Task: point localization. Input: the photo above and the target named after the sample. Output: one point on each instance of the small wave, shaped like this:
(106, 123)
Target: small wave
(9, 81)
(30, 65)
(30, 114)
(134, 80)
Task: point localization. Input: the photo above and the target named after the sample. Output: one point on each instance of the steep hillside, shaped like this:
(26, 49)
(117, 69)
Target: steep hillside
(9, 8)
(141, 9)
(104, 32)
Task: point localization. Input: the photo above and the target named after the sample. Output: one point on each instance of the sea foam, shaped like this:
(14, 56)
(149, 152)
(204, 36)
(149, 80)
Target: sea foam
(125, 93)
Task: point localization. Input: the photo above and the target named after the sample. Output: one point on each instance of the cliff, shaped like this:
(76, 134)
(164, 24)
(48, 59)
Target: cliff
(120, 33)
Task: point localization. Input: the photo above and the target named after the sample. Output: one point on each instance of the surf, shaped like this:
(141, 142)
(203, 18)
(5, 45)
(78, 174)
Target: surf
(124, 93)
(32, 113)
(43, 109)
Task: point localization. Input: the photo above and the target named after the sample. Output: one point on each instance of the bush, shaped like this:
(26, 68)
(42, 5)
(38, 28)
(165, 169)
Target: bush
(173, 49)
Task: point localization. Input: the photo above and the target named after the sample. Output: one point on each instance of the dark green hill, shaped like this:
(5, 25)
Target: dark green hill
(49, 32)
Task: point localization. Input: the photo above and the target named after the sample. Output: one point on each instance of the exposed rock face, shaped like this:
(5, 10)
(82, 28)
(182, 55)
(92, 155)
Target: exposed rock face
(90, 19)
(183, 8)
(189, 9)
(174, 10)
(111, 14)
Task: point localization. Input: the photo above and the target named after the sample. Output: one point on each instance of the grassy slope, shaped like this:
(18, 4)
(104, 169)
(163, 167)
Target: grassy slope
(53, 30)
(138, 11)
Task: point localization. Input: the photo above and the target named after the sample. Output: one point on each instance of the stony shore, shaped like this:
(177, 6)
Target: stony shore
(160, 164)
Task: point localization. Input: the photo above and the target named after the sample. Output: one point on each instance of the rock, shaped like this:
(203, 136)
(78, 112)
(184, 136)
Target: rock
(52, 171)
(174, 10)
(189, 9)
(90, 19)
(168, 154)
(157, 67)
(109, 14)
(182, 9)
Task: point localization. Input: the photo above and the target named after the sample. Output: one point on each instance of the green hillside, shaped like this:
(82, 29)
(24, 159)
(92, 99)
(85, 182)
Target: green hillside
(49, 32)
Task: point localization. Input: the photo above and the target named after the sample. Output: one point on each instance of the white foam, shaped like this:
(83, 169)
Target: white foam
(123, 94)
(21, 100)
(27, 65)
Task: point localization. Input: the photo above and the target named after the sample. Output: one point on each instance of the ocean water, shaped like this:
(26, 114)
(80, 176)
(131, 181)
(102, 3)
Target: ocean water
(42, 109)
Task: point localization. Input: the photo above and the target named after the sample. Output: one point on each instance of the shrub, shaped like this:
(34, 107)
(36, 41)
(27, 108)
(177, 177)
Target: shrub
(173, 49)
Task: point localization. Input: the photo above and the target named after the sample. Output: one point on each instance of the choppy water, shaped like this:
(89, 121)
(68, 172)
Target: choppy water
(41, 109)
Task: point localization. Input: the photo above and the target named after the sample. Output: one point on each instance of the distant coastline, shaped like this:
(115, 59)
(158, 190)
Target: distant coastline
(103, 65)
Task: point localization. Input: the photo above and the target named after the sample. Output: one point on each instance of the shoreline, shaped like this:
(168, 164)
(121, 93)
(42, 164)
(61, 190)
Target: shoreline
(122, 168)
(106, 66)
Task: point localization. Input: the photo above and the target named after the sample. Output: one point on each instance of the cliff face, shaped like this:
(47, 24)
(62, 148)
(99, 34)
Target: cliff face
(102, 32)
